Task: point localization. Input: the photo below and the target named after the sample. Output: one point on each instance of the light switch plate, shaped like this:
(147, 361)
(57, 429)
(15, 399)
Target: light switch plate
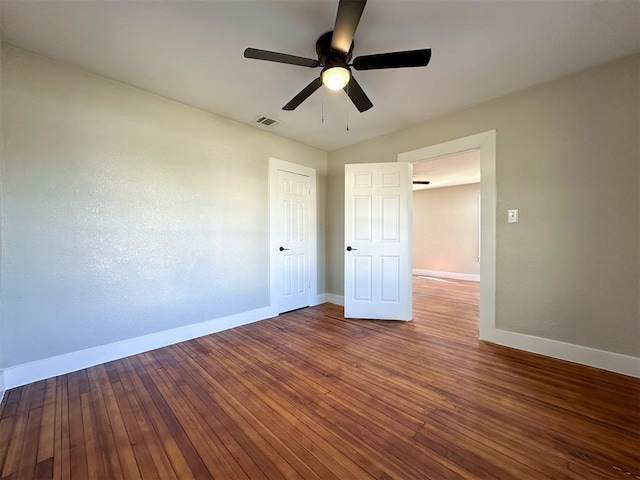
(512, 216)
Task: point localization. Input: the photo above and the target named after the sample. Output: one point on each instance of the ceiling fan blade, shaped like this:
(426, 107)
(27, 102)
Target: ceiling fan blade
(421, 182)
(279, 57)
(409, 58)
(304, 94)
(357, 95)
(347, 19)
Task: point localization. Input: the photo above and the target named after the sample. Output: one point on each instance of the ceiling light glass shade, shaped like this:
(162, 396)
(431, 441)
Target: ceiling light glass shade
(335, 78)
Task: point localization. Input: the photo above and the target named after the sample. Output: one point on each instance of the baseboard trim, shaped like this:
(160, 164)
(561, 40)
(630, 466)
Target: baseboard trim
(62, 364)
(335, 299)
(613, 362)
(19, 375)
(452, 275)
(319, 300)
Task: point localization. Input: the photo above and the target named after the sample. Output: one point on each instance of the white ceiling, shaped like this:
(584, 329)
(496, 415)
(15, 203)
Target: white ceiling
(448, 171)
(191, 51)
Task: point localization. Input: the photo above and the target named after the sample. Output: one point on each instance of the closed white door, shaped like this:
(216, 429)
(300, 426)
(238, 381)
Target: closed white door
(378, 236)
(292, 244)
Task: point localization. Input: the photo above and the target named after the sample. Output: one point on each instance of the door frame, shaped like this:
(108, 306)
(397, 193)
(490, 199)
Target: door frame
(485, 142)
(275, 165)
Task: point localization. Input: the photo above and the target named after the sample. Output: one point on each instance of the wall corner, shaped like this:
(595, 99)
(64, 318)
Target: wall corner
(2, 384)
(2, 389)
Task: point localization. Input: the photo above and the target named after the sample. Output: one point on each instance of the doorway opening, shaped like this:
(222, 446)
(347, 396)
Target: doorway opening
(484, 144)
(446, 217)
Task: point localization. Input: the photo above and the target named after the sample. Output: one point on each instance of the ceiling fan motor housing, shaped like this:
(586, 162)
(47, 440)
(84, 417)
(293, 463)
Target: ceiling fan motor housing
(328, 57)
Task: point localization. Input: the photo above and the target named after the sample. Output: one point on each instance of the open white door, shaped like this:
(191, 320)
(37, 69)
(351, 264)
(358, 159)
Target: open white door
(378, 241)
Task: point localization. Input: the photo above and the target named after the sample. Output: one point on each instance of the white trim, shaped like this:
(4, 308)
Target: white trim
(335, 299)
(2, 389)
(471, 277)
(486, 143)
(71, 362)
(274, 166)
(613, 362)
(479, 229)
(319, 300)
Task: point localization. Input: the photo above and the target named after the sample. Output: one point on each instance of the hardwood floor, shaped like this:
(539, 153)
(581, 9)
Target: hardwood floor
(310, 395)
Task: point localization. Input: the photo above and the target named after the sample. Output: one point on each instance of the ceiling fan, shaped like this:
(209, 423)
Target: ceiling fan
(334, 50)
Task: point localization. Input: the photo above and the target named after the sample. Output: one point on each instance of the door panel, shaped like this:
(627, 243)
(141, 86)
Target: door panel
(390, 271)
(378, 232)
(390, 218)
(293, 198)
(362, 228)
(363, 271)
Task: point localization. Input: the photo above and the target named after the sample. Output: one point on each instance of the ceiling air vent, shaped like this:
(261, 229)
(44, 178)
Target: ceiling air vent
(268, 121)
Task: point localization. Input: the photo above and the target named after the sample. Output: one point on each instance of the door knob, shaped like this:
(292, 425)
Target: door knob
(349, 248)
(282, 249)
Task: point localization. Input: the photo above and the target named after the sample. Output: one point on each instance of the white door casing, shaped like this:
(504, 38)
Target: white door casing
(293, 261)
(378, 241)
(486, 143)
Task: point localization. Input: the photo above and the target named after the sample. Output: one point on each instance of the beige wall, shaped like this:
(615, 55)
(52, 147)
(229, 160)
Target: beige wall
(126, 213)
(568, 156)
(445, 229)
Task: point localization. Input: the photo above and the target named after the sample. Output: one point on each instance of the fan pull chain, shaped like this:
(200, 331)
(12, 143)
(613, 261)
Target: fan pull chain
(347, 100)
(322, 108)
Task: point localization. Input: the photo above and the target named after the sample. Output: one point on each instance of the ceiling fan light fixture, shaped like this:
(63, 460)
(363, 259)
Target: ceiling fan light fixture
(336, 78)
(335, 49)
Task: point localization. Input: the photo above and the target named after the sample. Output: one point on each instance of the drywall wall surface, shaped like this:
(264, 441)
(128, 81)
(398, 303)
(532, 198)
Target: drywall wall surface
(568, 156)
(445, 229)
(127, 213)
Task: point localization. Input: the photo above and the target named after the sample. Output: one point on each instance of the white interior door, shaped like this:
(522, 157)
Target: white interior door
(292, 241)
(378, 236)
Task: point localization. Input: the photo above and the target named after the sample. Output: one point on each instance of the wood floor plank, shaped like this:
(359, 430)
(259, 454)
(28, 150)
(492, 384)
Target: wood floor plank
(61, 463)
(302, 424)
(10, 402)
(162, 464)
(269, 460)
(500, 437)
(277, 421)
(275, 393)
(18, 438)
(391, 456)
(205, 439)
(104, 429)
(312, 395)
(93, 449)
(47, 428)
(184, 460)
(77, 452)
(29, 454)
(223, 428)
(6, 438)
(126, 455)
(141, 454)
(44, 469)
